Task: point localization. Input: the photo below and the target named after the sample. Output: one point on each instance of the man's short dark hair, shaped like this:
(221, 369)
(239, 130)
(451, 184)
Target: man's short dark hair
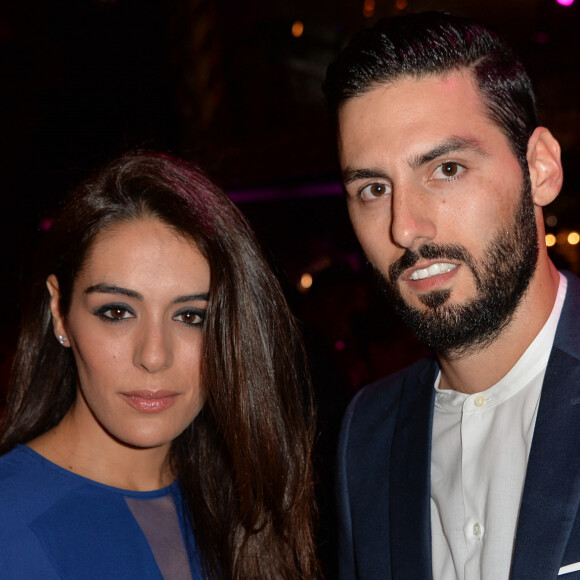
(434, 43)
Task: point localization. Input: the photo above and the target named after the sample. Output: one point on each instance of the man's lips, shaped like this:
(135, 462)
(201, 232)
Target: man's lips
(150, 401)
(433, 270)
(448, 256)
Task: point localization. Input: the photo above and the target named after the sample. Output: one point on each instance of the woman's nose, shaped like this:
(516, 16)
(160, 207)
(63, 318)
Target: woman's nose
(153, 349)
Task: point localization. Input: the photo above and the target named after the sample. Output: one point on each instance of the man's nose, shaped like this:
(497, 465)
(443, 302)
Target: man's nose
(413, 216)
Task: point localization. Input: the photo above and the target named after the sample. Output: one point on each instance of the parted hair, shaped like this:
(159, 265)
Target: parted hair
(435, 43)
(244, 464)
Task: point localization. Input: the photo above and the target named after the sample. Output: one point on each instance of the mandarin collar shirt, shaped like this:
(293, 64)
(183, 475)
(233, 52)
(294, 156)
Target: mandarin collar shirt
(479, 456)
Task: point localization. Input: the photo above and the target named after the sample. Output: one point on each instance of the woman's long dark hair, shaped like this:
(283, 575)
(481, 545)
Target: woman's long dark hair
(244, 463)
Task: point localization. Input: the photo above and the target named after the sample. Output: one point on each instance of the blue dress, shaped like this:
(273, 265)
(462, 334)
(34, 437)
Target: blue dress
(55, 524)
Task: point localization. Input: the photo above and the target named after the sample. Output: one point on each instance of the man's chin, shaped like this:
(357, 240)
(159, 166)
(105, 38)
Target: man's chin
(419, 302)
(436, 298)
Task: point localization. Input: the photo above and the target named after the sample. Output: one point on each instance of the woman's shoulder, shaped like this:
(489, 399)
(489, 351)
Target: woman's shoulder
(49, 518)
(22, 467)
(19, 466)
(30, 484)
(29, 488)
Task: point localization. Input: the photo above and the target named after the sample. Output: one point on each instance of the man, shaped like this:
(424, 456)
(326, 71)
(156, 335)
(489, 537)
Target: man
(467, 464)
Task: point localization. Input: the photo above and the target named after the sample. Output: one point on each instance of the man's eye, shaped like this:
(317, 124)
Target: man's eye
(374, 191)
(448, 170)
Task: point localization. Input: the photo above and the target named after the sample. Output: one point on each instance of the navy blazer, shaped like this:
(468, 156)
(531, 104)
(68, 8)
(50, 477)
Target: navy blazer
(384, 459)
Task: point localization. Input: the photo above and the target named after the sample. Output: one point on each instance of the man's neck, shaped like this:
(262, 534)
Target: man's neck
(481, 370)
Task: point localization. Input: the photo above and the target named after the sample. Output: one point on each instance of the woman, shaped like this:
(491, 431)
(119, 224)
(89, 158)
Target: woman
(159, 419)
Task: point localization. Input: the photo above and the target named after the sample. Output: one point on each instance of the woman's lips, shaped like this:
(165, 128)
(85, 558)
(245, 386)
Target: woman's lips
(150, 401)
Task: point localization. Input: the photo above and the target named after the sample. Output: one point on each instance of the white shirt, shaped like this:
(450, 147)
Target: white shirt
(480, 451)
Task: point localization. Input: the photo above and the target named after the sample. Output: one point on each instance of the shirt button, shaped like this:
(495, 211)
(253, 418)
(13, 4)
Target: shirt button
(479, 401)
(477, 529)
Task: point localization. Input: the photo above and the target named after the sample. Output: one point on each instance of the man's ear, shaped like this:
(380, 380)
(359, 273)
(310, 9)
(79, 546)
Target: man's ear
(546, 173)
(58, 323)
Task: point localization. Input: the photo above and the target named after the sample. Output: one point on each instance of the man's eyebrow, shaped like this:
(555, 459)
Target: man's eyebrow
(108, 289)
(453, 145)
(350, 175)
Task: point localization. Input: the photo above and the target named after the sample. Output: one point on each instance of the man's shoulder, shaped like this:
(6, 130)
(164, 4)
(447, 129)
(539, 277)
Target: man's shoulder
(388, 390)
(573, 280)
(375, 407)
(568, 332)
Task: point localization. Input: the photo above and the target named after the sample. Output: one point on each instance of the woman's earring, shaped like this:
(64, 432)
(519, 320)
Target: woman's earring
(61, 339)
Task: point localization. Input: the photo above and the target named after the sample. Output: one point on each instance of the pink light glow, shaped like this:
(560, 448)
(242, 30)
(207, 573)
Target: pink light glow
(565, 2)
(45, 224)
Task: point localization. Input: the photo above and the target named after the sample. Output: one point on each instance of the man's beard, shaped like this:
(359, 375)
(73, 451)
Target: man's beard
(501, 279)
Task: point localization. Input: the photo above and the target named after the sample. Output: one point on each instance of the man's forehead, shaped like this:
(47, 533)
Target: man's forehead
(453, 96)
(415, 117)
(451, 76)
(455, 80)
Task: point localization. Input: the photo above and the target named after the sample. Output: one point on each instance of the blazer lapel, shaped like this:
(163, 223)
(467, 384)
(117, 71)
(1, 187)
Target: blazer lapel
(551, 495)
(409, 503)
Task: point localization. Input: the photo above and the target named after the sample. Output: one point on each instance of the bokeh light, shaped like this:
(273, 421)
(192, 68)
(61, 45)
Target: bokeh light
(369, 8)
(305, 281)
(573, 238)
(297, 29)
(550, 240)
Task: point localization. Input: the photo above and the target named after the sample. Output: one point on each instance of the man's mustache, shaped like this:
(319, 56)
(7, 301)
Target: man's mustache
(429, 252)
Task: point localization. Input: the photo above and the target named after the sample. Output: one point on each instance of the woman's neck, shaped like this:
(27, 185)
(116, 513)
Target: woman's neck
(100, 457)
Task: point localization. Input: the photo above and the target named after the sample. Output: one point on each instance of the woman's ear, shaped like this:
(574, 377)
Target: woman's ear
(58, 324)
(545, 166)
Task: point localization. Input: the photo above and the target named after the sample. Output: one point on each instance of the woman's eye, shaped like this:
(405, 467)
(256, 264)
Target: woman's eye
(448, 170)
(114, 313)
(191, 317)
(374, 191)
(117, 313)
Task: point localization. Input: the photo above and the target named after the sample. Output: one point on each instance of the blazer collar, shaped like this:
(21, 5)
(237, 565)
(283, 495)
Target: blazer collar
(568, 334)
(409, 507)
(552, 487)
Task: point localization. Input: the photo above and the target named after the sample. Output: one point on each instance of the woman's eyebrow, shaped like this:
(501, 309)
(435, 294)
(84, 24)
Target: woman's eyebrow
(192, 298)
(108, 289)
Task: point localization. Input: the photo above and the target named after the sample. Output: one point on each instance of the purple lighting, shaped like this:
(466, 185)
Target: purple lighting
(45, 224)
(565, 2)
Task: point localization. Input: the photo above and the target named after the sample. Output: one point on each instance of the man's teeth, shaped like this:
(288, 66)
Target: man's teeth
(432, 270)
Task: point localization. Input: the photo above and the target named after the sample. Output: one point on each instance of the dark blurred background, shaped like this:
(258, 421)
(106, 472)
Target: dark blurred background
(234, 85)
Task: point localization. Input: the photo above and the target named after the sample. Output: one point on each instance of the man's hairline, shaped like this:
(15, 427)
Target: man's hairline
(470, 69)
